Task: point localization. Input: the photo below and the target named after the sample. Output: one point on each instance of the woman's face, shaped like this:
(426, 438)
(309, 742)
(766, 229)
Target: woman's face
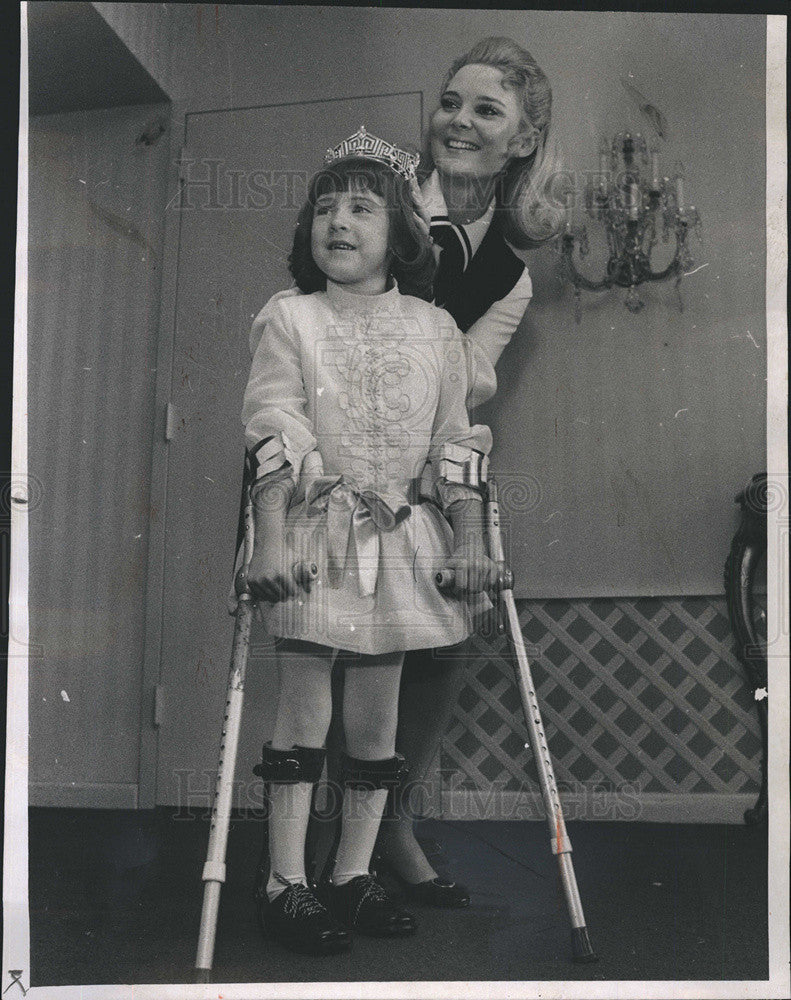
(478, 126)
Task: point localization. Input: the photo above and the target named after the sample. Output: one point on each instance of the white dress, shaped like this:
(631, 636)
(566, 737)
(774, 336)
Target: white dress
(377, 386)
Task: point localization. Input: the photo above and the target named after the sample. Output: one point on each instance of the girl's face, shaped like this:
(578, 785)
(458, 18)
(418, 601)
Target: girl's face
(349, 239)
(478, 126)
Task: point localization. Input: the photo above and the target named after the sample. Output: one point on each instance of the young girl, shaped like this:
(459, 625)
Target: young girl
(355, 407)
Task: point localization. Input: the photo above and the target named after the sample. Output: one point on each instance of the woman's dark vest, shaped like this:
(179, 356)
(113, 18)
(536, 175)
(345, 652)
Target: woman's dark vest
(489, 277)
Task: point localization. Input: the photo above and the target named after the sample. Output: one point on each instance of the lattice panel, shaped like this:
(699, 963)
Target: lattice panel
(643, 691)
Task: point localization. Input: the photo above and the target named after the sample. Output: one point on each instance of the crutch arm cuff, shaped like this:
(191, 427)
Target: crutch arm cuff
(461, 474)
(463, 465)
(268, 456)
(284, 475)
(450, 493)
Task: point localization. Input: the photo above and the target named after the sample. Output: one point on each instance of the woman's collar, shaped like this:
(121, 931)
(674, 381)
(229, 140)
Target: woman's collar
(435, 202)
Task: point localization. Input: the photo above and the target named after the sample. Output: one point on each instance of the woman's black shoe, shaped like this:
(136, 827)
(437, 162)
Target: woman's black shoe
(437, 892)
(363, 905)
(300, 921)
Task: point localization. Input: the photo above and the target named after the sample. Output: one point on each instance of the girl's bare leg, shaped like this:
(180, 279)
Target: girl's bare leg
(303, 717)
(370, 713)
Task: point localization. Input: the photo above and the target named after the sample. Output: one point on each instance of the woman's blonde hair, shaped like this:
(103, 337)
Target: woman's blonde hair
(529, 214)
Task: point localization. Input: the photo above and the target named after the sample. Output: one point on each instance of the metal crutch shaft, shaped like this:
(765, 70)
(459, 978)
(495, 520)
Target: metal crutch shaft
(582, 951)
(214, 869)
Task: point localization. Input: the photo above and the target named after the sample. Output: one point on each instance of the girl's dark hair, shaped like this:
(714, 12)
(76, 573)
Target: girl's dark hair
(525, 202)
(412, 261)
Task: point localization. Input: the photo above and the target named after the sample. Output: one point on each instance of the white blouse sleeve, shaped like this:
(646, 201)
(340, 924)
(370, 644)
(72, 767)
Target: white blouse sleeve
(258, 323)
(274, 400)
(489, 335)
(452, 432)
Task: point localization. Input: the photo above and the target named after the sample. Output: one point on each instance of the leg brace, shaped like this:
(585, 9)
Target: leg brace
(287, 767)
(284, 767)
(371, 774)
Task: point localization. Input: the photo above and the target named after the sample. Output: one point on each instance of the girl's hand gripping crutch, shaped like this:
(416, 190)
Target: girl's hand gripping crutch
(214, 868)
(582, 950)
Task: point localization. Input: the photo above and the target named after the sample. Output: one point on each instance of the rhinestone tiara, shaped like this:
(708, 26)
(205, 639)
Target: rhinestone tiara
(372, 148)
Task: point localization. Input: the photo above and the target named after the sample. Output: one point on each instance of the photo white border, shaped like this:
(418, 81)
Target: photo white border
(16, 934)
(16, 914)
(777, 560)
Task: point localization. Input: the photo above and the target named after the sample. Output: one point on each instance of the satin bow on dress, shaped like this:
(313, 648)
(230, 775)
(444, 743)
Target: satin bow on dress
(359, 513)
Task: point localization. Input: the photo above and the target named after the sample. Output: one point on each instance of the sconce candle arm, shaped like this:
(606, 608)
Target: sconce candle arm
(632, 206)
(628, 264)
(579, 280)
(676, 265)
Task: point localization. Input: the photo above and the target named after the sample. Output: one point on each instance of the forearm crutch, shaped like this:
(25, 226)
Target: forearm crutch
(582, 951)
(214, 868)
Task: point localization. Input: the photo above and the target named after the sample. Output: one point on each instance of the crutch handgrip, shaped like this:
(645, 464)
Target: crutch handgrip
(301, 572)
(446, 578)
(304, 572)
(240, 584)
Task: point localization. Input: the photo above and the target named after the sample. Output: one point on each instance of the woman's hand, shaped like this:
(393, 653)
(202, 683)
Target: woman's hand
(473, 570)
(423, 215)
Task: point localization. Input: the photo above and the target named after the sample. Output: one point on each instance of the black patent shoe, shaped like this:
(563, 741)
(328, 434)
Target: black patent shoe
(300, 921)
(364, 906)
(438, 892)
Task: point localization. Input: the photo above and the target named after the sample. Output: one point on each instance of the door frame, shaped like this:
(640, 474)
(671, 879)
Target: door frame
(155, 575)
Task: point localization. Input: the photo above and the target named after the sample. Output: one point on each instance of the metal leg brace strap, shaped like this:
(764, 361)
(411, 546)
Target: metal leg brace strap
(287, 767)
(371, 774)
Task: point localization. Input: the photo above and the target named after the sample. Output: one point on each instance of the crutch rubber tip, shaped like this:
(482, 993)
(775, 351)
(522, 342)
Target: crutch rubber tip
(581, 948)
(202, 975)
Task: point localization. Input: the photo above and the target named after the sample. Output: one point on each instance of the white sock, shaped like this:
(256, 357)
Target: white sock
(362, 814)
(278, 882)
(289, 810)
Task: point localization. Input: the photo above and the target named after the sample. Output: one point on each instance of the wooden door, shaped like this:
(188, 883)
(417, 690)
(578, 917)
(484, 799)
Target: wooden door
(95, 224)
(244, 178)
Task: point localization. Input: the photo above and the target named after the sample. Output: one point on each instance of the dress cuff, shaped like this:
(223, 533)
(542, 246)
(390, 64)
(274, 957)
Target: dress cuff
(268, 456)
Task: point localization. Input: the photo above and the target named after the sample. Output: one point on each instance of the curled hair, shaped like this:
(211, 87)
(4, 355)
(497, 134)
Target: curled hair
(529, 213)
(412, 261)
